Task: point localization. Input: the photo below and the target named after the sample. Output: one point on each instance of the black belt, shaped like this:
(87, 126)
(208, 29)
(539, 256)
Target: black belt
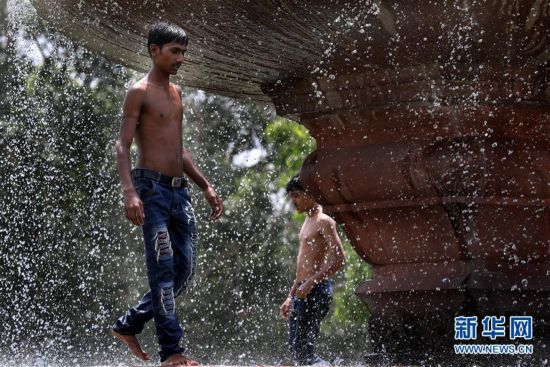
(159, 177)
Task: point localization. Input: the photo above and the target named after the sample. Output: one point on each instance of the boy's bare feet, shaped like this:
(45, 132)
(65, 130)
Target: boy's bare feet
(133, 344)
(178, 360)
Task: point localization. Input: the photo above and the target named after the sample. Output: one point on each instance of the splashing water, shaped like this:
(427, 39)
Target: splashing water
(70, 264)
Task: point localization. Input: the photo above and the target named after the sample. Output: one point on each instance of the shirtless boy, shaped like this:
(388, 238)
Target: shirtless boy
(320, 256)
(156, 196)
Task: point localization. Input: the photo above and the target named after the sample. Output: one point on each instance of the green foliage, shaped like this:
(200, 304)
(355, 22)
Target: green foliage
(348, 309)
(292, 143)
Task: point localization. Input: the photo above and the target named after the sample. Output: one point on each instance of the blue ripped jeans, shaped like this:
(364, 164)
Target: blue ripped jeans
(170, 238)
(304, 322)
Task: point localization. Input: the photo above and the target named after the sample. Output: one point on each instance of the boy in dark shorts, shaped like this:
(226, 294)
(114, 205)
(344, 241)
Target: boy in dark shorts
(320, 256)
(156, 195)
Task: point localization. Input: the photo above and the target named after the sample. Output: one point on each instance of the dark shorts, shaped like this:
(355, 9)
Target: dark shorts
(170, 240)
(304, 322)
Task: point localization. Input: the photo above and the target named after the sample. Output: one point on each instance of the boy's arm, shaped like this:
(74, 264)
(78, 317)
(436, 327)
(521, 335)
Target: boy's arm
(211, 196)
(192, 171)
(284, 309)
(335, 255)
(292, 292)
(133, 207)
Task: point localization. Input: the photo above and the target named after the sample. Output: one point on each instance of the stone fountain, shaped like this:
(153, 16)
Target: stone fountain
(432, 122)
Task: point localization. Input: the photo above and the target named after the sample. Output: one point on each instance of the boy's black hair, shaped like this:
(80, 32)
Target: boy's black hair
(294, 184)
(163, 33)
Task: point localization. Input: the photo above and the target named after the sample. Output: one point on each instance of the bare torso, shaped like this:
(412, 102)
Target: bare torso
(313, 247)
(159, 133)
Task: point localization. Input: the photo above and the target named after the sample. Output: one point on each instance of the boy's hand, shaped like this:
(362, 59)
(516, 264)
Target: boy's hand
(284, 309)
(133, 208)
(305, 288)
(215, 202)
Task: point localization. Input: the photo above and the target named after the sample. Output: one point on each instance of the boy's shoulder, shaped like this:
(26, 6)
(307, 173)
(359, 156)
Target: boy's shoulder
(176, 87)
(143, 83)
(325, 220)
(138, 87)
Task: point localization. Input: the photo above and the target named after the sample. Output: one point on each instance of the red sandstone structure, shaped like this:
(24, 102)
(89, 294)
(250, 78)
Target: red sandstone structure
(432, 122)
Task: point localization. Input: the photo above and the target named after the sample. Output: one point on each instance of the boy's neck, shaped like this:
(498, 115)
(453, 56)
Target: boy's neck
(158, 77)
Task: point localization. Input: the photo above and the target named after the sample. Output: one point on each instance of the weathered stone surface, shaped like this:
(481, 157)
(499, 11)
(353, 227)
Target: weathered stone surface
(238, 47)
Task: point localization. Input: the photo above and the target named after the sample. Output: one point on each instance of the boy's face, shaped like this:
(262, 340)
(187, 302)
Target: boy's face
(301, 200)
(169, 57)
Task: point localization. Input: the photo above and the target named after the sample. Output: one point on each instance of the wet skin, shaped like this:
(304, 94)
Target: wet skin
(159, 133)
(153, 116)
(179, 360)
(321, 253)
(132, 344)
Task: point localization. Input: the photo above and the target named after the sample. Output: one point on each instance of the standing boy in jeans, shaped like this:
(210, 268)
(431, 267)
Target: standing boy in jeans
(156, 195)
(320, 255)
